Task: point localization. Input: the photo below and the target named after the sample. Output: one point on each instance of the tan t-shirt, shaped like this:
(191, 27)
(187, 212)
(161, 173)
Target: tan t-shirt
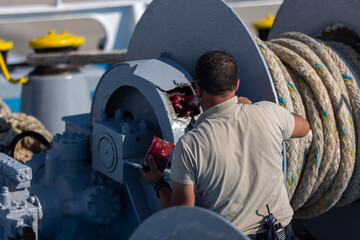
(234, 157)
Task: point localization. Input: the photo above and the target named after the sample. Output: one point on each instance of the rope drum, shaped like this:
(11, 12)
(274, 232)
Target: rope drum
(312, 80)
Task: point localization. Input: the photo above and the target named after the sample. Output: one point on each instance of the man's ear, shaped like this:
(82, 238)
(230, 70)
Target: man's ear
(199, 91)
(237, 86)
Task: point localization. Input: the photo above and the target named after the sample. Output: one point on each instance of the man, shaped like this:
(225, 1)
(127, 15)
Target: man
(232, 159)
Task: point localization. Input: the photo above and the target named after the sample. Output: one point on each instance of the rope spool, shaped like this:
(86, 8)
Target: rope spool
(330, 96)
(11, 124)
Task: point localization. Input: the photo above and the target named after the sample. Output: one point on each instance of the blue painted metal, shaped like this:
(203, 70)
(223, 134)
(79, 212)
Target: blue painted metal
(13, 103)
(18, 208)
(164, 31)
(311, 17)
(145, 97)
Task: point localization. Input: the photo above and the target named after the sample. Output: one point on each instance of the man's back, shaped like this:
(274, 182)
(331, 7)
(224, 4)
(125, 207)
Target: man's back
(234, 157)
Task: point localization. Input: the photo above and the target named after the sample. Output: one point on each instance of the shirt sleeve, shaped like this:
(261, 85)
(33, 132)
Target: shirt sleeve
(286, 119)
(182, 165)
(281, 117)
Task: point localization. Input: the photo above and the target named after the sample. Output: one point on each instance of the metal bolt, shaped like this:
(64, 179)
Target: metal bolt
(103, 188)
(57, 137)
(4, 189)
(96, 191)
(114, 214)
(100, 219)
(117, 206)
(116, 198)
(111, 191)
(91, 200)
(93, 214)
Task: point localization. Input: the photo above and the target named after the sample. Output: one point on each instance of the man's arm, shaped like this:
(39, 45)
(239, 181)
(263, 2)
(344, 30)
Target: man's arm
(301, 128)
(180, 194)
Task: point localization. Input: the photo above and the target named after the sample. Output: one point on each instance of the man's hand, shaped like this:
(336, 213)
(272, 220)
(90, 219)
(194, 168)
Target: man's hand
(244, 100)
(154, 174)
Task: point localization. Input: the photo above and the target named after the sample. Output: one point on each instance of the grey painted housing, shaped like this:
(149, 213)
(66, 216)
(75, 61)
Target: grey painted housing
(311, 17)
(184, 30)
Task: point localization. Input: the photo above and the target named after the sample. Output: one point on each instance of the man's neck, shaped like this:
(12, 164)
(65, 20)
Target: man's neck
(209, 101)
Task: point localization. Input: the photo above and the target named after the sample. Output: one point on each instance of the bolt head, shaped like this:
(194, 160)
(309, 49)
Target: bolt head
(100, 219)
(91, 200)
(103, 188)
(96, 191)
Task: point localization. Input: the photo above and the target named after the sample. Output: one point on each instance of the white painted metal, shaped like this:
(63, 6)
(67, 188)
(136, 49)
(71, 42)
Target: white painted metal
(118, 18)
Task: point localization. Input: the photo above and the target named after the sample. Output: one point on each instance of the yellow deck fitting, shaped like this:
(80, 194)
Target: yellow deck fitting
(54, 40)
(265, 23)
(6, 46)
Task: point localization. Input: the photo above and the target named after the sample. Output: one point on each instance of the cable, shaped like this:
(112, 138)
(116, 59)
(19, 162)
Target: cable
(20, 136)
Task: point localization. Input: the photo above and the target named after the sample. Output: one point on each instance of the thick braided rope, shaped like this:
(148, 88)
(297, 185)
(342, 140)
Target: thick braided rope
(12, 124)
(312, 164)
(349, 54)
(342, 112)
(315, 83)
(292, 145)
(4, 109)
(300, 110)
(22, 122)
(353, 191)
(320, 51)
(325, 185)
(298, 103)
(345, 80)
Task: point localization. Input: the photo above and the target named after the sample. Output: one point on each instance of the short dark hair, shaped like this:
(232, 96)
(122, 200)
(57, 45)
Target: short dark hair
(216, 72)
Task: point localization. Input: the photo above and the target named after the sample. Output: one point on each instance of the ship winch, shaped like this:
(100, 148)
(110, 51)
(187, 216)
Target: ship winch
(86, 185)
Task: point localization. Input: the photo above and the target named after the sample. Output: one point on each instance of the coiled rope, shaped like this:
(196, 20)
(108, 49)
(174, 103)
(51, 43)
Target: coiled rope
(11, 124)
(312, 80)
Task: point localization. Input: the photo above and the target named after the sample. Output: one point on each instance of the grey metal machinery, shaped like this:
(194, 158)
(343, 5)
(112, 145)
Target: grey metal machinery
(52, 89)
(86, 186)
